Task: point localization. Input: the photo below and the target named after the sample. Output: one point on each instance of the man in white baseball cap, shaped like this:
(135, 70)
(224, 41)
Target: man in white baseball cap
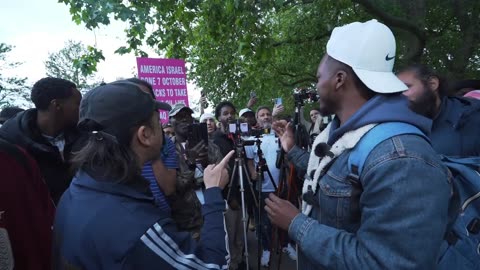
(382, 208)
(209, 119)
(248, 116)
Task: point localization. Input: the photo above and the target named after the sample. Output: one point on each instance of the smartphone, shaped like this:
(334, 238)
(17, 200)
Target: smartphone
(278, 101)
(253, 95)
(196, 133)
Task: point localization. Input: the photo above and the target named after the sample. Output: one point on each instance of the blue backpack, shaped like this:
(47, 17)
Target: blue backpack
(461, 247)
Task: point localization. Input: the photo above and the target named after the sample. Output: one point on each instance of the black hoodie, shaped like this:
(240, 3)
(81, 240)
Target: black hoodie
(22, 130)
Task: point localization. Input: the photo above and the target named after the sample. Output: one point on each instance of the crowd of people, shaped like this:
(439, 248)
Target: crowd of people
(98, 182)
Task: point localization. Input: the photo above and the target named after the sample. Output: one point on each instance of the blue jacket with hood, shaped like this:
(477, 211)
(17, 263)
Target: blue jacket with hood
(106, 225)
(456, 128)
(395, 218)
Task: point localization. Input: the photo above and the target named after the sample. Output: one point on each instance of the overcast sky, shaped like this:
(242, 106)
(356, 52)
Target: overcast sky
(37, 27)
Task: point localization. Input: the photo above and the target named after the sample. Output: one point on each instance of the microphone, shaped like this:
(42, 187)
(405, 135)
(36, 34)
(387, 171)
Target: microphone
(322, 150)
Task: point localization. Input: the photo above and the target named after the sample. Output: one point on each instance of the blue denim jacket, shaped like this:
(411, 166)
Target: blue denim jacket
(396, 218)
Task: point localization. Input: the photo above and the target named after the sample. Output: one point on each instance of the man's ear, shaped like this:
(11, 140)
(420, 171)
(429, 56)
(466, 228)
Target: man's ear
(340, 78)
(55, 105)
(433, 83)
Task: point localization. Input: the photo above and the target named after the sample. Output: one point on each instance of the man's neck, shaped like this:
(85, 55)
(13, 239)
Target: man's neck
(348, 110)
(224, 128)
(47, 124)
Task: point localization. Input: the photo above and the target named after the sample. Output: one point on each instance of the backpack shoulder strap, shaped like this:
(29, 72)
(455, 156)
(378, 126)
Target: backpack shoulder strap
(375, 136)
(466, 173)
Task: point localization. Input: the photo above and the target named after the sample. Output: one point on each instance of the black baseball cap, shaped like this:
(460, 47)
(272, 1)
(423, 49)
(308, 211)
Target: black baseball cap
(115, 108)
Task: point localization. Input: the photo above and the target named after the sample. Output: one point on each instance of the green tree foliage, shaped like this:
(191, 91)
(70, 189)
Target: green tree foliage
(12, 89)
(271, 47)
(68, 62)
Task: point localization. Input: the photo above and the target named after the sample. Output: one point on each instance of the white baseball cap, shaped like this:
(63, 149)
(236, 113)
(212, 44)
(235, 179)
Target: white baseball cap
(369, 49)
(206, 116)
(245, 110)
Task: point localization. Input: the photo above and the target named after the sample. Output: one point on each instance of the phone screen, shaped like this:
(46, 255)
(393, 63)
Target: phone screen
(197, 133)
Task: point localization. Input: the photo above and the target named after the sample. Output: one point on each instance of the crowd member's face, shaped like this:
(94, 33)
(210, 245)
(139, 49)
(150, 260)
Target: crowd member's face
(325, 87)
(422, 97)
(227, 114)
(211, 127)
(181, 121)
(250, 118)
(68, 108)
(264, 118)
(169, 132)
(314, 115)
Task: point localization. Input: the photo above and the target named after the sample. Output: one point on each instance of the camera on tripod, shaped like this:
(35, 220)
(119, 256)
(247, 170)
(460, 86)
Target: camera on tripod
(300, 95)
(242, 132)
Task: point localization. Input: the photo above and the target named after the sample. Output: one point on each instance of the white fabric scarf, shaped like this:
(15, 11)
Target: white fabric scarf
(315, 163)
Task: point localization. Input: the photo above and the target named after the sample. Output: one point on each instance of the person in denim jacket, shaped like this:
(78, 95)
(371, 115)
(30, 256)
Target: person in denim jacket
(395, 215)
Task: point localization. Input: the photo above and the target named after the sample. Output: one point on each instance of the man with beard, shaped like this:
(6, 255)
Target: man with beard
(456, 120)
(192, 160)
(48, 132)
(392, 215)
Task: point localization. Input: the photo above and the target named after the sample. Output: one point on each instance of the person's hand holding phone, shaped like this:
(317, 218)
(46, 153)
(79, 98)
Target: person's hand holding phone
(197, 153)
(278, 107)
(252, 101)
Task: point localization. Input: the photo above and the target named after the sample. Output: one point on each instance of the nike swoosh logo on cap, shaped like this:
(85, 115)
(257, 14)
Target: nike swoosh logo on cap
(389, 58)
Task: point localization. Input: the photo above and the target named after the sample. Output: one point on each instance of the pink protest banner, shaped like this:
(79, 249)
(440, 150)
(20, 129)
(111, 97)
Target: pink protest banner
(168, 79)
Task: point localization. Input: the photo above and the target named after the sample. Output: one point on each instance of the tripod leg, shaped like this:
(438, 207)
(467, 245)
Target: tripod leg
(244, 214)
(271, 177)
(250, 185)
(232, 179)
(259, 224)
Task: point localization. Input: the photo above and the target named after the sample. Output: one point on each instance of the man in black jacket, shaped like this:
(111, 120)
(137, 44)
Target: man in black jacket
(48, 132)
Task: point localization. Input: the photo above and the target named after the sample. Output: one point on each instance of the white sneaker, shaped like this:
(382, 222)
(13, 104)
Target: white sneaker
(292, 253)
(265, 258)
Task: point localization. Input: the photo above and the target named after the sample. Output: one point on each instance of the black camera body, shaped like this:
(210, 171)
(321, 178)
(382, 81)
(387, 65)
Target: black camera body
(302, 95)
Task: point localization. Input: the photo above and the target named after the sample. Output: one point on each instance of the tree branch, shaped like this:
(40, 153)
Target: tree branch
(398, 23)
(295, 3)
(468, 29)
(295, 83)
(303, 40)
(296, 75)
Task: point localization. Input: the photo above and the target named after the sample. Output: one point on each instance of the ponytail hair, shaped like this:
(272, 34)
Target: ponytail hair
(103, 156)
